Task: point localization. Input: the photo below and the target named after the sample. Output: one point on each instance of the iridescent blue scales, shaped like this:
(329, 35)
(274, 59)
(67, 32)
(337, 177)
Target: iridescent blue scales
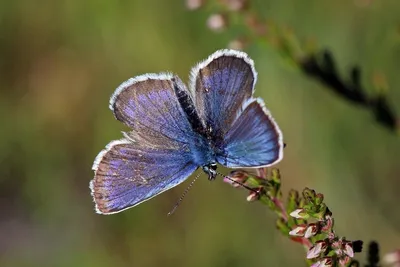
(175, 130)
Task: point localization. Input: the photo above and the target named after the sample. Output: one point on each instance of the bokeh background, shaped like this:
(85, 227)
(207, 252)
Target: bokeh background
(61, 60)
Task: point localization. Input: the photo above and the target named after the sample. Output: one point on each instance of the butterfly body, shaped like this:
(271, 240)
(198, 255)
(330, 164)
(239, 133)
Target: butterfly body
(176, 130)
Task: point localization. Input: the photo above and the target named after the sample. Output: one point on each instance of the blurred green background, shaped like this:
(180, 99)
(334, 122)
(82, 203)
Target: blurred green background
(61, 60)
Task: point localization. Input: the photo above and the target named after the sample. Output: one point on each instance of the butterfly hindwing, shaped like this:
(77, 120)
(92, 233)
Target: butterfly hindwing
(128, 173)
(253, 140)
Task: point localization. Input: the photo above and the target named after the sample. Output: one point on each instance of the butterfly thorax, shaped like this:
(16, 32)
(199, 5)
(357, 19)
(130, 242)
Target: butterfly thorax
(202, 152)
(205, 155)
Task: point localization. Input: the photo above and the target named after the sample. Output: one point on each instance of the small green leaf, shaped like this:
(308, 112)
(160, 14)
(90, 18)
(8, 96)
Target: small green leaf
(319, 199)
(281, 224)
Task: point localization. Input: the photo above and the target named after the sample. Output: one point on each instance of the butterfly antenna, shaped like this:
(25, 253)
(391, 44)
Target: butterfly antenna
(183, 195)
(239, 183)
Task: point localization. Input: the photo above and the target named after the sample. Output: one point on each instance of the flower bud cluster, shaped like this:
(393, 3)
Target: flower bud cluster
(306, 219)
(327, 248)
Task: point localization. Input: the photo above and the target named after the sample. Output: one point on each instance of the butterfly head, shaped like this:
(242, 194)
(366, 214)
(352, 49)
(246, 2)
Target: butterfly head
(211, 170)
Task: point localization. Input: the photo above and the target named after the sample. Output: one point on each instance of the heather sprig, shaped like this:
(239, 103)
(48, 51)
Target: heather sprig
(305, 218)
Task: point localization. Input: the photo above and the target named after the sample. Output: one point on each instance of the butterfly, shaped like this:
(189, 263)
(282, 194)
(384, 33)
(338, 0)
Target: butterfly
(176, 130)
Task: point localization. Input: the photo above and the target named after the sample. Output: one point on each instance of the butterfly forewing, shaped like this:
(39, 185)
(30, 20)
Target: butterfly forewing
(221, 85)
(149, 106)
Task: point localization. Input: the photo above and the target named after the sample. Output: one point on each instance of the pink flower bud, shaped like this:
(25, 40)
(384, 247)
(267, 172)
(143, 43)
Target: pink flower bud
(325, 262)
(328, 224)
(252, 196)
(319, 247)
(298, 214)
(312, 230)
(194, 4)
(336, 244)
(344, 261)
(348, 249)
(299, 230)
(392, 258)
(217, 22)
(236, 5)
(314, 252)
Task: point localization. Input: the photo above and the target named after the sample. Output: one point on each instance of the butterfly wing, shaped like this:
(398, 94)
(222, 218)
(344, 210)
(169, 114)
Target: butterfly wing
(155, 156)
(127, 174)
(220, 86)
(242, 129)
(253, 140)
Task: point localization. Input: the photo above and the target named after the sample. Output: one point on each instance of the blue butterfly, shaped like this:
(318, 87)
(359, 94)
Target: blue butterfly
(175, 131)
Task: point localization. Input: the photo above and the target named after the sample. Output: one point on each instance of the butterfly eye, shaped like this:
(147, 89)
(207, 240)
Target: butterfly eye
(213, 166)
